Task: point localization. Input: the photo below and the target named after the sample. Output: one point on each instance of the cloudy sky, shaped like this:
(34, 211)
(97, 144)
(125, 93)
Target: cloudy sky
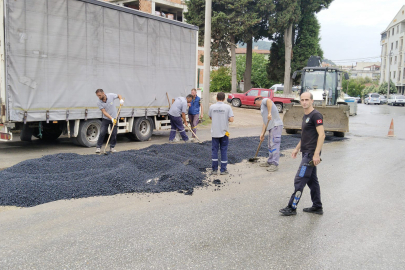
(350, 29)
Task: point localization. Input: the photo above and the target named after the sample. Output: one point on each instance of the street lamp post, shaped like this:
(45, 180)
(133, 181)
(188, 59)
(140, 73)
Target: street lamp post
(207, 56)
(389, 75)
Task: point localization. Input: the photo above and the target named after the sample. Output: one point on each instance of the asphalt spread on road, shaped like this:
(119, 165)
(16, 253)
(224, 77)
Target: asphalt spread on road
(158, 168)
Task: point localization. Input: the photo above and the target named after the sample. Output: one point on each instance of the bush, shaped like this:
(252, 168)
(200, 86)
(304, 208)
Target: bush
(383, 88)
(221, 80)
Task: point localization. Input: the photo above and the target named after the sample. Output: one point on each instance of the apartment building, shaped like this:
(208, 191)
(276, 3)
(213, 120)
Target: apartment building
(366, 69)
(393, 53)
(171, 9)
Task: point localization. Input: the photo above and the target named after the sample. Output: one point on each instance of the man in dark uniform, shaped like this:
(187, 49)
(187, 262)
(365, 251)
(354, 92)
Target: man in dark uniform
(312, 138)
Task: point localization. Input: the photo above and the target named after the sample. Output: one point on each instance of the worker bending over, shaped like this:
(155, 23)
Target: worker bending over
(177, 116)
(195, 111)
(107, 107)
(271, 116)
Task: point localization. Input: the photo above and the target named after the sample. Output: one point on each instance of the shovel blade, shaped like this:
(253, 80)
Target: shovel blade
(253, 159)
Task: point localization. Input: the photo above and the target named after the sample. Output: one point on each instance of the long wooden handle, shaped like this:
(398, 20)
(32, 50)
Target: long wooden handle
(168, 100)
(260, 144)
(118, 115)
(193, 133)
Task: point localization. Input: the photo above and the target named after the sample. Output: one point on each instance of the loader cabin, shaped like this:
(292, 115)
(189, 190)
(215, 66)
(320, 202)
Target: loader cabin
(324, 83)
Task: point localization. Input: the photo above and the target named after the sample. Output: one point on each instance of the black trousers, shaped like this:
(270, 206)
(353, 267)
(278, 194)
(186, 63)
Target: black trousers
(306, 175)
(104, 130)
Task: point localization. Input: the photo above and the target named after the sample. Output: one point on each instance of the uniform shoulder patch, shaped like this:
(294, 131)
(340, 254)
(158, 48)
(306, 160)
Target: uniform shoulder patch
(319, 121)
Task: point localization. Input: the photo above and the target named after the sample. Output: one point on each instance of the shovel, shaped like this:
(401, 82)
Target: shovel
(118, 115)
(258, 148)
(194, 134)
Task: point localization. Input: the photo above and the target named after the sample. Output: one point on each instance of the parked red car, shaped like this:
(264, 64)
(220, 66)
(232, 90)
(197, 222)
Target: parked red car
(248, 98)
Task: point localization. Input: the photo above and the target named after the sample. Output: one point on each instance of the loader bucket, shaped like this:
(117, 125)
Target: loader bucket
(335, 118)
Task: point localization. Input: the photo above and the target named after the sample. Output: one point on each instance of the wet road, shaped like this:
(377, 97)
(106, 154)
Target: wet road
(238, 226)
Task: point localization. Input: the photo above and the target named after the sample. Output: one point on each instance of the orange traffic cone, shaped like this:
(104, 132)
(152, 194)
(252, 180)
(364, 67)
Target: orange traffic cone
(391, 130)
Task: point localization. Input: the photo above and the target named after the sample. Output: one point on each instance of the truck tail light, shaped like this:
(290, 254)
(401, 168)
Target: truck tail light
(6, 136)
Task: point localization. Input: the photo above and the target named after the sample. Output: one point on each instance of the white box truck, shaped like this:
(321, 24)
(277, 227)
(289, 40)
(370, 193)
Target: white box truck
(56, 53)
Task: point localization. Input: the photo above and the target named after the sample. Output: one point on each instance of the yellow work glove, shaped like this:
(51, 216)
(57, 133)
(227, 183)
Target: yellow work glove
(114, 121)
(227, 133)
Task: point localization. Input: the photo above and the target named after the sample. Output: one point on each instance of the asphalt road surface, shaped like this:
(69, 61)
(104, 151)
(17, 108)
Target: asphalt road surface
(235, 225)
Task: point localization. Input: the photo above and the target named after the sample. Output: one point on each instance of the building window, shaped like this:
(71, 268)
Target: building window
(394, 74)
(392, 46)
(396, 44)
(393, 31)
(395, 60)
(403, 74)
(397, 29)
(399, 75)
(390, 60)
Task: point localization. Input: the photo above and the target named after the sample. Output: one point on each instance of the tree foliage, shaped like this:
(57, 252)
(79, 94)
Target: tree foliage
(259, 70)
(305, 35)
(382, 89)
(307, 42)
(229, 18)
(353, 87)
(221, 80)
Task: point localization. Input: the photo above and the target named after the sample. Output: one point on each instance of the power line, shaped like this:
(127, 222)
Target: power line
(356, 59)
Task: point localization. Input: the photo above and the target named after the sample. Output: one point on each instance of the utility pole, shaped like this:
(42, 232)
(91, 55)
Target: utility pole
(389, 75)
(207, 56)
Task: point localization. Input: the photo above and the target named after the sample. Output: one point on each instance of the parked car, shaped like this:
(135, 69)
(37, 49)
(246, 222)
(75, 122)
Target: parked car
(372, 98)
(349, 98)
(396, 100)
(358, 99)
(383, 99)
(248, 98)
(277, 87)
(280, 87)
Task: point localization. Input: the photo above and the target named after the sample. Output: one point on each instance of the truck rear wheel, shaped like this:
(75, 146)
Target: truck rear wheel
(142, 129)
(291, 131)
(26, 133)
(89, 131)
(339, 134)
(236, 102)
(279, 107)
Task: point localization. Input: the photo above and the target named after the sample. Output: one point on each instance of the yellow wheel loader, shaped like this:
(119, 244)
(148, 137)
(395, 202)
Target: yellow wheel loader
(325, 84)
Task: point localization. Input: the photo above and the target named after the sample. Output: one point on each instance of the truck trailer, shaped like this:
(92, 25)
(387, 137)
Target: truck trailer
(56, 53)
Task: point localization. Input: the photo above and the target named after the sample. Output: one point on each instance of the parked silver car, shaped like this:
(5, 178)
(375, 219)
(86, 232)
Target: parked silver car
(396, 100)
(372, 98)
(383, 99)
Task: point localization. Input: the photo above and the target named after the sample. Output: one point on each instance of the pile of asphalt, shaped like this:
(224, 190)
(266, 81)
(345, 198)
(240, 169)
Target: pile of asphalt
(158, 168)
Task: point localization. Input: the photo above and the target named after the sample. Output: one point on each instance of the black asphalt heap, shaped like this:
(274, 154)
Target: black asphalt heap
(158, 168)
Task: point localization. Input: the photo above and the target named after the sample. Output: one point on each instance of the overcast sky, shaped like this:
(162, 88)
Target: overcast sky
(350, 29)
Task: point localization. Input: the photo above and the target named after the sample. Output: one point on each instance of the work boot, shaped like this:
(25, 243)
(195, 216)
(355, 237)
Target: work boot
(112, 150)
(224, 173)
(98, 150)
(272, 168)
(288, 211)
(264, 164)
(171, 142)
(314, 210)
(214, 173)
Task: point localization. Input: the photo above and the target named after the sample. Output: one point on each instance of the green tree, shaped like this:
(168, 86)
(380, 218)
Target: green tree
(305, 35)
(382, 89)
(307, 43)
(232, 21)
(275, 67)
(259, 70)
(221, 80)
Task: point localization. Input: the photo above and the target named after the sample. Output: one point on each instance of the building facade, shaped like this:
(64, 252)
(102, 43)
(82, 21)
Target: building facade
(393, 53)
(171, 9)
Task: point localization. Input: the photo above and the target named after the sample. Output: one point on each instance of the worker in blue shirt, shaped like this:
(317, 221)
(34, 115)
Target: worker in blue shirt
(195, 111)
